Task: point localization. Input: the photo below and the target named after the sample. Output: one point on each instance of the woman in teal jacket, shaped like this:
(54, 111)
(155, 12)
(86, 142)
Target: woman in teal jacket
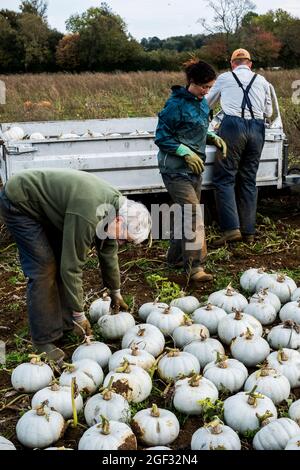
(182, 135)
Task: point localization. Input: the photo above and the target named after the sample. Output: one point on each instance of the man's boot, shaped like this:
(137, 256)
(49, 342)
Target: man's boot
(199, 275)
(53, 353)
(228, 236)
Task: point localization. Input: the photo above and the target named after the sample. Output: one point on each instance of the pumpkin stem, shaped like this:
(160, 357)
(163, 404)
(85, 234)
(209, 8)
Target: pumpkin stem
(261, 270)
(105, 427)
(40, 410)
(125, 367)
(141, 332)
(249, 334)
(68, 367)
(221, 360)
(229, 290)
(209, 307)
(194, 381)
(282, 356)
(292, 325)
(264, 419)
(55, 386)
(88, 339)
(167, 310)
(155, 411)
(266, 371)
(106, 297)
(280, 278)
(173, 352)
(253, 396)
(187, 320)
(107, 391)
(238, 314)
(36, 358)
(203, 336)
(215, 426)
(134, 350)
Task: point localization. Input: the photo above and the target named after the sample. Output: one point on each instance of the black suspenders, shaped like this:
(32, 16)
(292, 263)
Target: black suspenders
(246, 99)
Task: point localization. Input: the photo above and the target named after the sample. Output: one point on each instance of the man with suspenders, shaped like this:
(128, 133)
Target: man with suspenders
(245, 99)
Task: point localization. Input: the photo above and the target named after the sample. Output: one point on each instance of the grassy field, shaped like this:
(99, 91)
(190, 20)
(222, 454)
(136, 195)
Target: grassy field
(99, 96)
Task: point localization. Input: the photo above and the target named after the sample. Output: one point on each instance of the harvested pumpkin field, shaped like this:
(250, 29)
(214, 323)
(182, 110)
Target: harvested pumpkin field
(145, 277)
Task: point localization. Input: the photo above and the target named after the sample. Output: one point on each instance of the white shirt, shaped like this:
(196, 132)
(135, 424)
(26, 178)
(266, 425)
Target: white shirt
(231, 95)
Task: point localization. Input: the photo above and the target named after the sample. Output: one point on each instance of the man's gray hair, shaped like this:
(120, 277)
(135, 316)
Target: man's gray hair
(137, 219)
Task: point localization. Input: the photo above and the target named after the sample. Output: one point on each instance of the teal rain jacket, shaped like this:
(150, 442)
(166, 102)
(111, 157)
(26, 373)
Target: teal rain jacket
(184, 120)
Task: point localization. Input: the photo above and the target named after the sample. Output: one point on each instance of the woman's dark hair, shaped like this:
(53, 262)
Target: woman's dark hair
(199, 72)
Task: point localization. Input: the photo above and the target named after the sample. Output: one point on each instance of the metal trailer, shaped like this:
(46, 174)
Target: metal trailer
(125, 154)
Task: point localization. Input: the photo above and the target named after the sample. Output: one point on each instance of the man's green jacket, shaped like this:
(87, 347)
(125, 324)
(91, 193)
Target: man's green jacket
(74, 202)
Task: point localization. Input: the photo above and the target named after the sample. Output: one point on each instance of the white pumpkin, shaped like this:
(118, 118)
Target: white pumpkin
(134, 355)
(290, 311)
(248, 411)
(95, 350)
(100, 307)
(189, 391)
(250, 349)
(58, 398)
(186, 303)
(37, 136)
(185, 334)
(235, 324)
(287, 362)
(5, 444)
(109, 404)
(281, 285)
(296, 295)
(176, 365)
(228, 374)
(167, 320)
(58, 448)
(275, 435)
(293, 443)
(155, 426)
(88, 375)
(132, 382)
(40, 428)
(145, 336)
(250, 278)
(270, 383)
(209, 316)
(205, 350)
(215, 436)
(114, 326)
(294, 411)
(70, 135)
(286, 335)
(14, 133)
(32, 376)
(146, 309)
(108, 435)
(228, 299)
(268, 297)
(158, 448)
(262, 310)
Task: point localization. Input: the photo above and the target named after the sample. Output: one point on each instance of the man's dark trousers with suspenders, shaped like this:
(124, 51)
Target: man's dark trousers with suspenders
(234, 178)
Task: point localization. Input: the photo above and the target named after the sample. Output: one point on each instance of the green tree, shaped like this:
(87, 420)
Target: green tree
(11, 50)
(33, 35)
(104, 42)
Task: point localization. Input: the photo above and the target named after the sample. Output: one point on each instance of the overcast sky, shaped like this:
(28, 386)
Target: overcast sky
(146, 18)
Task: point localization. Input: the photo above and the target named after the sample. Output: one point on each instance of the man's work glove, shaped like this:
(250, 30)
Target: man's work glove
(82, 326)
(117, 301)
(194, 162)
(214, 139)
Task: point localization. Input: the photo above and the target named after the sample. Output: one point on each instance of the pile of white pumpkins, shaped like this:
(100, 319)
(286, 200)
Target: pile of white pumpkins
(16, 133)
(197, 368)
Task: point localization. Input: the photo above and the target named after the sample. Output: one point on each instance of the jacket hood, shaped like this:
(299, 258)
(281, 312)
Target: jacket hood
(182, 92)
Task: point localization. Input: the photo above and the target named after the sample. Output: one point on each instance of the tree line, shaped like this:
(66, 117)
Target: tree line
(98, 40)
